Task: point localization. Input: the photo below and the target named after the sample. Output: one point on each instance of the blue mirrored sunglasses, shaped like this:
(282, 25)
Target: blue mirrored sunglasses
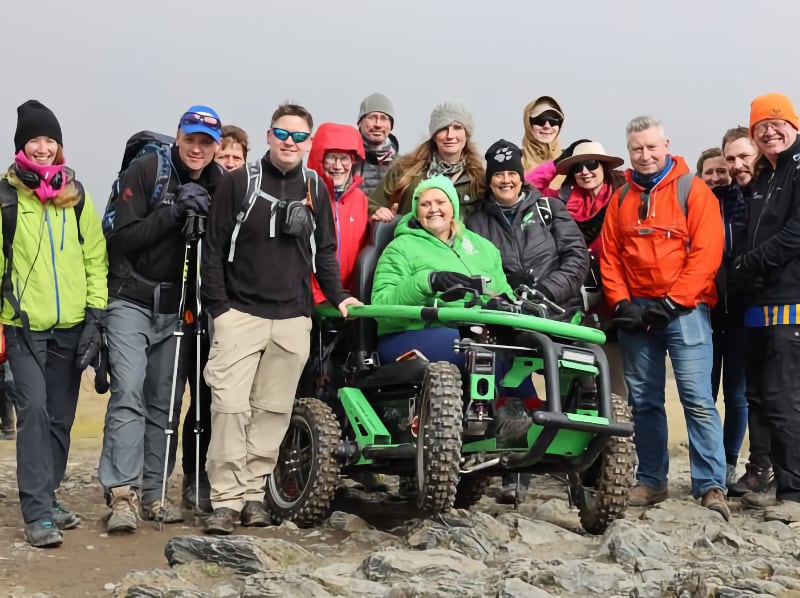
(297, 136)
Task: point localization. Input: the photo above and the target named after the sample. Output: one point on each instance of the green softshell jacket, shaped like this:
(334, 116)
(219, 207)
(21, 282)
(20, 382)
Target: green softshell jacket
(55, 277)
(401, 276)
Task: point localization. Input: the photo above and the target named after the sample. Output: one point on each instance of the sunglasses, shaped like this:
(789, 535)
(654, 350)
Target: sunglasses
(195, 118)
(644, 206)
(588, 164)
(541, 121)
(297, 136)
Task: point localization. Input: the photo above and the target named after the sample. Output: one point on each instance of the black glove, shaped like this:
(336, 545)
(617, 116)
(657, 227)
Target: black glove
(628, 316)
(567, 153)
(443, 281)
(502, 303)
(91, 338)
(658, 315)
(190, 197)
(101, 382)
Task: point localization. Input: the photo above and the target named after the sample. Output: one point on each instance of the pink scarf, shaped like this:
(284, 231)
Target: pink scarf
(44, 190)
(583, 205)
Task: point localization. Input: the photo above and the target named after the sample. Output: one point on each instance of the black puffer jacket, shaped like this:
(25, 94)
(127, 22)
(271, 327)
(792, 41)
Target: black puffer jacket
(542, 242)
(772, 255)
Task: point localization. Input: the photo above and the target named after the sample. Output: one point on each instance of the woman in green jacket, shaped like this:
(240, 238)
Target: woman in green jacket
(54, 300)
(430, 253)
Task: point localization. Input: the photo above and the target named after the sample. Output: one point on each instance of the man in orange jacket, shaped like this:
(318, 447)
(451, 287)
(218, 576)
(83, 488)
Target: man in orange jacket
(662, 242)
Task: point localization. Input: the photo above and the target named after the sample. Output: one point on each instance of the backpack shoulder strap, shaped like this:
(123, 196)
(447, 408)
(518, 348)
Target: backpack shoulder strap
(625, 188)
(544, 209)
(684, 188)
(253, 189)
(9, 206)
(79, 208)
(163, 175)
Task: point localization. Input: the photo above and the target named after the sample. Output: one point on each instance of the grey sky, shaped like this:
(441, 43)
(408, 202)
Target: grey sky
(109, 68)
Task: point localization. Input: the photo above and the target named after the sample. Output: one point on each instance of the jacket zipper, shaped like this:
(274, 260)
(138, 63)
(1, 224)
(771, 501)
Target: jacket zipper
(55, 270)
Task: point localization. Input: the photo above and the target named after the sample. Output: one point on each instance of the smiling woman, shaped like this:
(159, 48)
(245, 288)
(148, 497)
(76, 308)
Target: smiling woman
(449, 151)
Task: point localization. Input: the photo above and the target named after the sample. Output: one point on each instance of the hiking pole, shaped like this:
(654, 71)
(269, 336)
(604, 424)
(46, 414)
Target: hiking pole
(198, 328)
(190, 238)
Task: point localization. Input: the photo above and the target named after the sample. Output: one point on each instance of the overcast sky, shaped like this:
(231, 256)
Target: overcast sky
(109, 68)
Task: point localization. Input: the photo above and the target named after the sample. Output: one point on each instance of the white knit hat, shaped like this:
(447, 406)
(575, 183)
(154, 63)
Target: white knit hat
(448, 112)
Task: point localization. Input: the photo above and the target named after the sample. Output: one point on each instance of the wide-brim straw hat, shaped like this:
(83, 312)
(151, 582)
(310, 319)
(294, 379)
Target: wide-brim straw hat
(589, 150)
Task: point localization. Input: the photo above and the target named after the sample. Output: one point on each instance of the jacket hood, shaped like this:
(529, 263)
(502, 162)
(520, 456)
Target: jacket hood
(442, 183)
(333, 136)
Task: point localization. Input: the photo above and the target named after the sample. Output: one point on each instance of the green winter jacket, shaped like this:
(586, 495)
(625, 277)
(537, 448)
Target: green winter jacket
(55, 277)
(401, 276)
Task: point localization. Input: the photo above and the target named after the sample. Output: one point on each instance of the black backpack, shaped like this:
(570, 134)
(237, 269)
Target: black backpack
(141, 144)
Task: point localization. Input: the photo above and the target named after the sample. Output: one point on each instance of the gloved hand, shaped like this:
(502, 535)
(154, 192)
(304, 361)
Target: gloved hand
(658, 315)
(628, 316)
(502, 303)
(101, 371)
(190, 197)
(444, 280)
(567, 153)
(91, 338)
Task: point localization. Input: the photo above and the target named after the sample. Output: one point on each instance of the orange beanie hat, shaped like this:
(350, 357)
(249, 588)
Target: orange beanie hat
(773, 106)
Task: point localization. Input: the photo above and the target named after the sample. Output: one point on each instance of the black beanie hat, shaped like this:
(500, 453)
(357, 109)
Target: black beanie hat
(503, 155)
(34, 119)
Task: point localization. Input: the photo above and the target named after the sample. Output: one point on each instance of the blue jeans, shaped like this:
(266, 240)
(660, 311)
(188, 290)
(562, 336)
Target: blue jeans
(687, 339)
(434, 343)
(729, 362)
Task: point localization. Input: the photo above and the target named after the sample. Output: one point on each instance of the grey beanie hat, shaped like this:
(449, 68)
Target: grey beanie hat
(447, 113)
(376, 102)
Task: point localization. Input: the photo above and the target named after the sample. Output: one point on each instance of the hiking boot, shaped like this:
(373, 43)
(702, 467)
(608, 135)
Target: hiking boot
(407, 487)
(714, 499)
(124, 516)
(254, 515)
(221, 522)
(644, 496)
(759, 500)
(189, 494)
(755, 479)
(163, 513)
(63, 518)
(730, 474)
(512, 492)
(371, 482)
(43, 534)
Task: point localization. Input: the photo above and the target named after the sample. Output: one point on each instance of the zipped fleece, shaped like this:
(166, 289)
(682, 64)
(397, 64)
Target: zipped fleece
(667, 253)
(270, 277)
(555, 252)
(773, 230)
(401, 276)
(350, 210)
(55, 277)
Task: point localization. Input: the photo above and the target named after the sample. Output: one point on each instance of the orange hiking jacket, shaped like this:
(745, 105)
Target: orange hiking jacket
(667, 253)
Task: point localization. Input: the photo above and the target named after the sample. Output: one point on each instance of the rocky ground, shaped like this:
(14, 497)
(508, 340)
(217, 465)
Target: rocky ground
(376, 545)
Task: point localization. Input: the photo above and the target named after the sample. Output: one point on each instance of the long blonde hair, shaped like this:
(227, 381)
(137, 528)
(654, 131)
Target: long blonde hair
(415, 164)
(535, 152)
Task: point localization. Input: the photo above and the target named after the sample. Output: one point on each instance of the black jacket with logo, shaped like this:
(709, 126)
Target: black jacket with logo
(772, 255)
(146, 247)
(554, 252)
(269, 277)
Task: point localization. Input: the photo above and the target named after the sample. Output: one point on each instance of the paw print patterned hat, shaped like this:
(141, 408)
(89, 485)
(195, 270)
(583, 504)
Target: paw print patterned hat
(503, 155)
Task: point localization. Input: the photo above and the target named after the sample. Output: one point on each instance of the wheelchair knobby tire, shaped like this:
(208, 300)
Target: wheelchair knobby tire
(439, 441)
(307, 473)
(471, 489)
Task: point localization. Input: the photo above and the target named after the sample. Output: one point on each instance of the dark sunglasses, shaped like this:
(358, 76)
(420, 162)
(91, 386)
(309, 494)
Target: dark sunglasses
(541, 121)
(297, 136)
(195, 118)
(588, 164)
(644, 206)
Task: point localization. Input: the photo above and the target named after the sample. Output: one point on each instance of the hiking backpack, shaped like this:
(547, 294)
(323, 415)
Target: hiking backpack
(141, 144)
(278, 207)
(684, 187)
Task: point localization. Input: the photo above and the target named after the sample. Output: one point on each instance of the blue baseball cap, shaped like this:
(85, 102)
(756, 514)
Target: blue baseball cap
(202, 119)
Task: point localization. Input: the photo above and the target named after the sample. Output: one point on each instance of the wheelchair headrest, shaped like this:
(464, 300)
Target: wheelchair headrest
(381, 236)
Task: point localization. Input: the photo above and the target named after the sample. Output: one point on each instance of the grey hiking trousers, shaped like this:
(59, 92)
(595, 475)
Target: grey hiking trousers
(141, 355)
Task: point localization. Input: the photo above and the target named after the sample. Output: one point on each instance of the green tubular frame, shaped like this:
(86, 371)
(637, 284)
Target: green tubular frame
(367, 426)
